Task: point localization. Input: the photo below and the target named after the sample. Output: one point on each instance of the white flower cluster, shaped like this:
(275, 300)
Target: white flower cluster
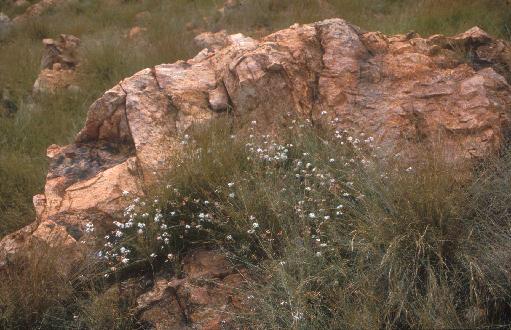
(317, 181)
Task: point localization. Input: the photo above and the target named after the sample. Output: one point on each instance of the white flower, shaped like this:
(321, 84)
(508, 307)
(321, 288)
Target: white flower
(297, 316)
(326, 217)
(118, 233)
(318, 254)
(231, 195)
(229, 237)
(187, 226)
(125, 260)
(170, 256)
(255, 225)
(153, 255)
(312, 215)
(230, 184)
(251, 231)
(331, 160)
(140, 225)
(89, 227)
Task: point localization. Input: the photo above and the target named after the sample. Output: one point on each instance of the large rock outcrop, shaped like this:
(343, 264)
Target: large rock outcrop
(400, 89)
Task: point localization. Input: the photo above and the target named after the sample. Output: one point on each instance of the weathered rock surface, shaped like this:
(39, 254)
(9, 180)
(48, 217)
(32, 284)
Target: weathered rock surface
(58, 64)
(205, 297)
(400, 89)
(212, 41)
(62, 51)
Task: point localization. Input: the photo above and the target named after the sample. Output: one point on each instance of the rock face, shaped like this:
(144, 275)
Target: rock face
(58, 64)
(400, 89)
(205, 297)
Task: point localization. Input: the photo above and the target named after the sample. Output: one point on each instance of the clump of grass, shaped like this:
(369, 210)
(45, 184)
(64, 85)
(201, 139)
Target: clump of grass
(41, 291)
(334, 236)
(107, 309)
(413, 252)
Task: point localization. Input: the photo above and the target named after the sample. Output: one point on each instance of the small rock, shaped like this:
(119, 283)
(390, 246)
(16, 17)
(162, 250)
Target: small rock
(63, 51)
(212, 41)
(7, 106)
(58, 65)
(5, 25)
(136, 32)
